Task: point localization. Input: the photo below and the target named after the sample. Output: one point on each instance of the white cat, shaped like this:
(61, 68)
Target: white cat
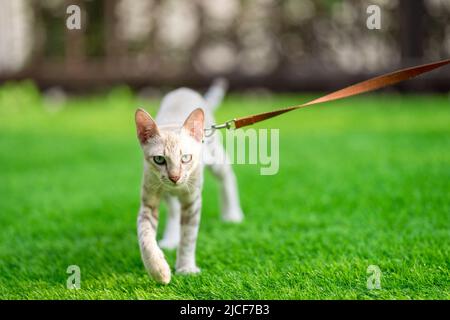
(174, 147)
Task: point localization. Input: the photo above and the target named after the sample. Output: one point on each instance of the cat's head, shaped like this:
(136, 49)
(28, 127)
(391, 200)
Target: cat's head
(172, 154)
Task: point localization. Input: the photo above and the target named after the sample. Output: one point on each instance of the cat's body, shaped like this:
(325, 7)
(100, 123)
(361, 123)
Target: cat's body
(174, 151)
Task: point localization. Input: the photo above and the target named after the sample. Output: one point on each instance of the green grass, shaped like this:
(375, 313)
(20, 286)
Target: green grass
(362, 181)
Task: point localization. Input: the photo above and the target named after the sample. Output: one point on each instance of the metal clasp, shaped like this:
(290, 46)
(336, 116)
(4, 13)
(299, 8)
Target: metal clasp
(228, 125)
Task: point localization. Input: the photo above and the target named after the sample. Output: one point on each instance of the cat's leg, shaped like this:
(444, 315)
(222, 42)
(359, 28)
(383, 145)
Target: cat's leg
(171, 237)
(151, 254)
(190, 221)
(221, 168)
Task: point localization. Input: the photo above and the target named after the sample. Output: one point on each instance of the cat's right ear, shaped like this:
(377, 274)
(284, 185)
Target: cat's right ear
(145, 126)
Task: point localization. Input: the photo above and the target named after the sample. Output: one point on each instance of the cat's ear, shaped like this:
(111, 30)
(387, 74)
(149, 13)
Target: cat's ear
(194, 124)
(145, 126)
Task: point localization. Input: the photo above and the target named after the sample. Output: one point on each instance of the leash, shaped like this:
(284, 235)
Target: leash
(353, 90)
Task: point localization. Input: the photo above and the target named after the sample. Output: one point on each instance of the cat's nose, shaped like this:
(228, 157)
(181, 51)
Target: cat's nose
(174, 179)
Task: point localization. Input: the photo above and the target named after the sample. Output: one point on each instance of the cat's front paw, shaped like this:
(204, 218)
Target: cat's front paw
(160, 272)
(191, 269)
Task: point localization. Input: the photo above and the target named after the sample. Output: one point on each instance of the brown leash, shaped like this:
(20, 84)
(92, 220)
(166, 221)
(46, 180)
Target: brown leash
(358, 88)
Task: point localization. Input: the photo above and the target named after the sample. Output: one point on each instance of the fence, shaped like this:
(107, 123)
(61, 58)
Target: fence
(278, 44)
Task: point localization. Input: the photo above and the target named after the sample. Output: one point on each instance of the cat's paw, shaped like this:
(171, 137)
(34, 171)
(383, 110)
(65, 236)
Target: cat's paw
(168, 243)
(191, 269)
(235, 216)
(161, 272)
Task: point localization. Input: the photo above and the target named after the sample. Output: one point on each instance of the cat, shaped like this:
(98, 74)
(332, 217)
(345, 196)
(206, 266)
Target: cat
(174, 149)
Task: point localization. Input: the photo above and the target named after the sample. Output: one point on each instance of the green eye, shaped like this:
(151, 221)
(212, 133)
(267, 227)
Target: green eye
(159, 160)
(186, 158)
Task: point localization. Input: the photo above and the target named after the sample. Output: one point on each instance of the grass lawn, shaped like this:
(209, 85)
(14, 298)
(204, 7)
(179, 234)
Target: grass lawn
(363, 181)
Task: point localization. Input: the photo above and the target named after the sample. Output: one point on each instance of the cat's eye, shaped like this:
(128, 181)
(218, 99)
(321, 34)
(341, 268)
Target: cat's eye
(185, 158)
(159, 160)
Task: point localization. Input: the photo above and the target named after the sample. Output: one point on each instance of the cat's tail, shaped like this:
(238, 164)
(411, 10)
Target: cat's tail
(216, 92)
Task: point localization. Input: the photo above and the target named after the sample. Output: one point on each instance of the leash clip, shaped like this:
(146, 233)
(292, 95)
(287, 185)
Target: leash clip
(228, 125)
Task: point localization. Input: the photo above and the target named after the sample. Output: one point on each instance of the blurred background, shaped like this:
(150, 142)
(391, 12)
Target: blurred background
(281, 45)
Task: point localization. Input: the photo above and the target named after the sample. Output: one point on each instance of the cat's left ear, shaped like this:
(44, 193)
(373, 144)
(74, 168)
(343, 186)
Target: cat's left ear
(194, 124)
